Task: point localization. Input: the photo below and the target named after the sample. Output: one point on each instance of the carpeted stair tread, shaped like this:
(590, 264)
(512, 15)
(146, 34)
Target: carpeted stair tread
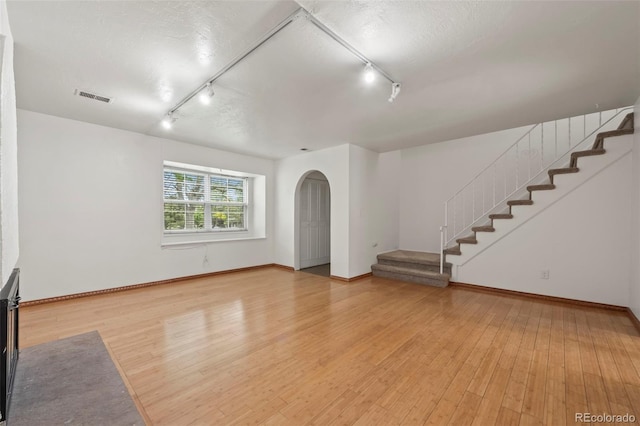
(564, 171)
(467, 240)
(487, 228)
(455, 250)
(500, 216)
(411, 257)
(411, 275)
(519, 202)
(587, 153)
(543, 187)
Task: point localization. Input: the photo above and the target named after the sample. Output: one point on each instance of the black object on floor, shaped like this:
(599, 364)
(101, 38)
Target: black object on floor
(72, 381)
(9, 320)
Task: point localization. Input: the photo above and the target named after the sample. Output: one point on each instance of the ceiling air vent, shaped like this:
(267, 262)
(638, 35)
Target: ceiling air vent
(93, 96)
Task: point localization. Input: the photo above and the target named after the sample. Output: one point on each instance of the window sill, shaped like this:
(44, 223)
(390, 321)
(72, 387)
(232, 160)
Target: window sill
(203, 231)
(208, 241)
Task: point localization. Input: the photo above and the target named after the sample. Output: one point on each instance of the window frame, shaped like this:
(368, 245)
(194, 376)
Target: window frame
(207, 203)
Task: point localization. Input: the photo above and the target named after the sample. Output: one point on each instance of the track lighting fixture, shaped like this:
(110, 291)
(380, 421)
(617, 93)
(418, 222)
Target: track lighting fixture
(168, 121)
(206, 94)
(395, 90)
(205, 91)
(369, 73)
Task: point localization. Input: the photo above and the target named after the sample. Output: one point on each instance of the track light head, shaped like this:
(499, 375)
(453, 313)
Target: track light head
(395, 91)
(206, 94)
(168, 120)
(369, 73)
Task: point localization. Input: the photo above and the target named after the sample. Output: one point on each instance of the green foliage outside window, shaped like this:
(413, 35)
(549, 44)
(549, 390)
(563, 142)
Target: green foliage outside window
(226, 201)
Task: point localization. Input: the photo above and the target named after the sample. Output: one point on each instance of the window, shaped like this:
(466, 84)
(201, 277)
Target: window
(195, 202)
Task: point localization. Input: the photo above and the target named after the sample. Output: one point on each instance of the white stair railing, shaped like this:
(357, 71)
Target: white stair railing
(525, 162)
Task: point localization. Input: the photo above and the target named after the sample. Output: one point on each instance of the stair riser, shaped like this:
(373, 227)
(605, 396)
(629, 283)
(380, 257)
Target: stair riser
(575, 157)
(419, 266)
(553, 177)
(410, 278)
(517, 210)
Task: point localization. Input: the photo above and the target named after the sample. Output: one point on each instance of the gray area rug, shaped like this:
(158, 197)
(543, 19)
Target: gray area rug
(72, 381)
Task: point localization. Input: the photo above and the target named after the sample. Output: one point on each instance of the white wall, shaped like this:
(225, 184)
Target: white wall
(386, 196)
(430, 174)
(334, 164)
(634, 287)
(373, 212)
(583, 240)
(9, 247)
(364, 205)
(84, 226)
(91, 208)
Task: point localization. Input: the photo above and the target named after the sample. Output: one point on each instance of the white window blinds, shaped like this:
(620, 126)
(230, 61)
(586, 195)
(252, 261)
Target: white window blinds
(196, 201)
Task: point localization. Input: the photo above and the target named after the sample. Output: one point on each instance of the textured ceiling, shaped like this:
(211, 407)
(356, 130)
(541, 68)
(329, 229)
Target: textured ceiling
(466, 68)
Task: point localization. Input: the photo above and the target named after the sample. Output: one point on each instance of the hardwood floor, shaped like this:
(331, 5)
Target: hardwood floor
(274, 347)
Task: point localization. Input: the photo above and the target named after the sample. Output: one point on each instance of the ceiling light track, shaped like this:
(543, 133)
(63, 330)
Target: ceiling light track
(300, 12)
(275, 30)
(346, 45)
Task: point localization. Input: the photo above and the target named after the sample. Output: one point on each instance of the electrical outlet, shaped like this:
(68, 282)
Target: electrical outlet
(544, 274)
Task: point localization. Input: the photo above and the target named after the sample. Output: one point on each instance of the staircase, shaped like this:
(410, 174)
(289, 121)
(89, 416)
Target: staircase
(626, 127)
(487, 209)
(412, 266)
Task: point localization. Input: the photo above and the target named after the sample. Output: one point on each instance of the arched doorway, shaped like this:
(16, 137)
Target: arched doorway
(313, 223)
